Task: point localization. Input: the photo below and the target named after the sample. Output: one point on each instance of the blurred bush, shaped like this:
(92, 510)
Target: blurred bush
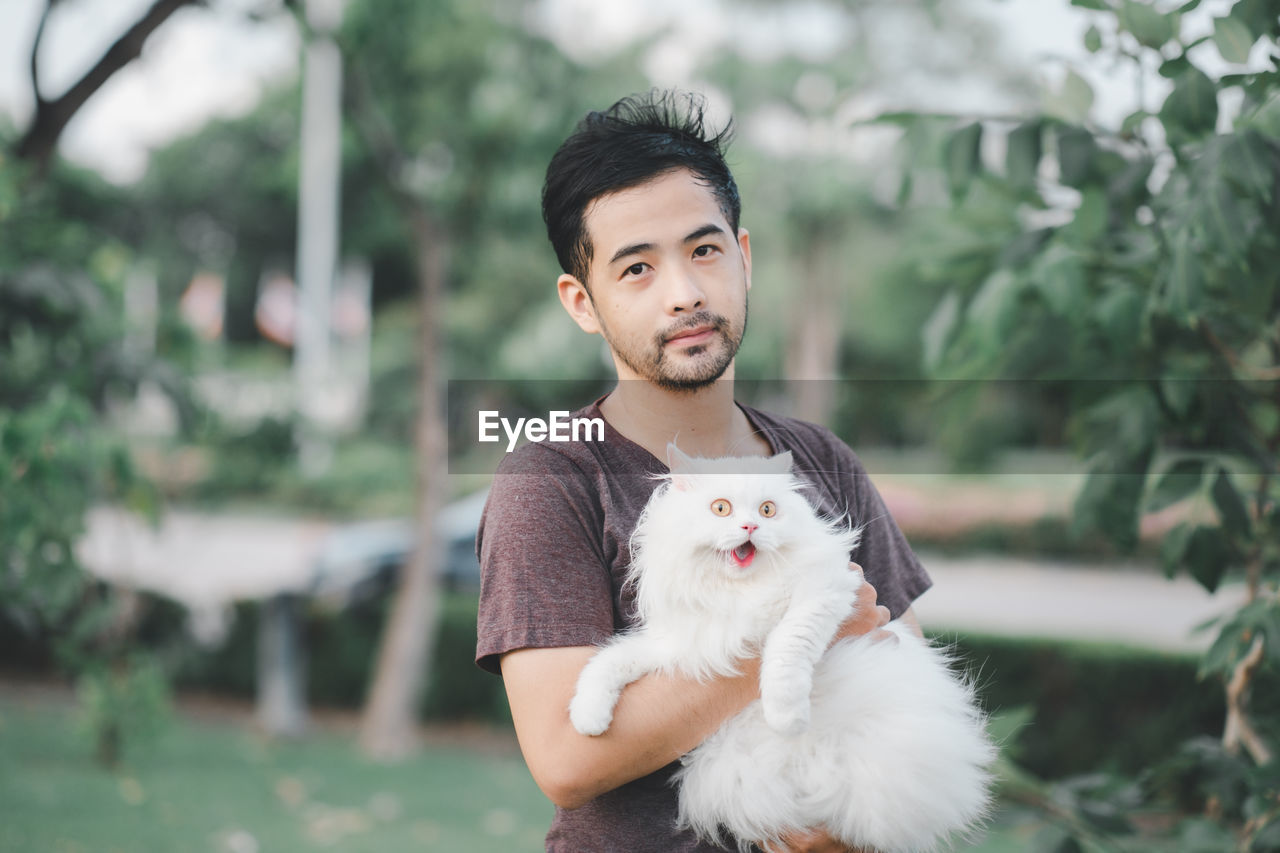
(340, 647)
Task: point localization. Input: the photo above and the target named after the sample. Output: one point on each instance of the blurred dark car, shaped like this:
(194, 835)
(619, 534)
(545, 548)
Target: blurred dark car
(362, 559)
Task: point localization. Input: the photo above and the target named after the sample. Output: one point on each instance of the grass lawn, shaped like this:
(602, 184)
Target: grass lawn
(209, 783)
(214, 785)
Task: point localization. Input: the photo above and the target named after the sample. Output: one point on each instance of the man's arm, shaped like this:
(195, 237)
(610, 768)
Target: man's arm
(658, 717)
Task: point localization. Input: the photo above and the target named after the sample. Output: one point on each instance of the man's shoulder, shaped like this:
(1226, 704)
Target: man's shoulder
(786, 432)
(542, 457)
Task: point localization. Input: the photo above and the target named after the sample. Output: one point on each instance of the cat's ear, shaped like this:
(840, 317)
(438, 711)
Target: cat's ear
(681, 465)
(781, 463)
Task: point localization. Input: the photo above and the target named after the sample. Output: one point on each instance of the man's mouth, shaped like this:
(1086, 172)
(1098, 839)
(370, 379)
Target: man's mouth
(744, 554)
(693, 336)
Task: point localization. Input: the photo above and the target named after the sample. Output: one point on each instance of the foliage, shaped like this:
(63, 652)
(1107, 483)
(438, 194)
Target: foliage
(1095, 707)
(341, 645)
(1135, 274)
(63, 357)
(126, 700)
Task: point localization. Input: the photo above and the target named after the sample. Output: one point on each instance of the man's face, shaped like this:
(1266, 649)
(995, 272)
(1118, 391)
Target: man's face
(668, 282)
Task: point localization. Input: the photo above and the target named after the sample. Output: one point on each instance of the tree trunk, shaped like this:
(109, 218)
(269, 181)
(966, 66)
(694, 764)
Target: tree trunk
(388, 727)
(813, 341)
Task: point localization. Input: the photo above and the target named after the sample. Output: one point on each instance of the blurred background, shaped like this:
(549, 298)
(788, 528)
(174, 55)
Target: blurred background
(261, 261)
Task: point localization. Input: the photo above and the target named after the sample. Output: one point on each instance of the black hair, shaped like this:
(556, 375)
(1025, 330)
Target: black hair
(637, 139)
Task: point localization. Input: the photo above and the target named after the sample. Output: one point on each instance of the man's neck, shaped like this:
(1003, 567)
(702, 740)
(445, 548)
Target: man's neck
(705, 422)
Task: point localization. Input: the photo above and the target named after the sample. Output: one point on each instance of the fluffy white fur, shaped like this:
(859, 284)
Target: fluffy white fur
(877, 740)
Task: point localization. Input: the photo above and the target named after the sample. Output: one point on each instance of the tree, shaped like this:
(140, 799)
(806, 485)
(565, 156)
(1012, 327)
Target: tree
(1137, 269)
(66, 352)
(453, 104)
(63, 355)
(37, 144)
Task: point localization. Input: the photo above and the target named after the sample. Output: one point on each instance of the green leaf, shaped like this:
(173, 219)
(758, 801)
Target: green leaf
(1233, 39)
(1132, 123)
(1119, 314)
(1123, 426)
(1178, 394)
(1237, 636)
(1231, 507)
(1258, 15)
(1247, 162)
(1172, 68)
(994, 308)
(1266, 118)
(1108, 503)
(1093, 39)
(962, 157)
(905, 186)
(1229, 222)
(1071, 101)
(1098, 5)
(1090, 221)
(939, 329)
(1191, 109)
(1184, 290)
(1151, 27)
(1173, 546)
(1059, 275)
(1022, 154)
(1179, 481)
(1207, 556)
(1129, 185)
(903, 119)
(1076, 150)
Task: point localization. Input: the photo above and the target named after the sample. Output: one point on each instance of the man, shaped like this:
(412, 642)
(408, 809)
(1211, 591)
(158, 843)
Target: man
(643, 214)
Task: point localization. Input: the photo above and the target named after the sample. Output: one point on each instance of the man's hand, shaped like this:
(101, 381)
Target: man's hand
(867, 615)
(814, 842)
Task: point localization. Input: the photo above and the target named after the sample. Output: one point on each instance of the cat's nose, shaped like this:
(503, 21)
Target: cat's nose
(750, 528)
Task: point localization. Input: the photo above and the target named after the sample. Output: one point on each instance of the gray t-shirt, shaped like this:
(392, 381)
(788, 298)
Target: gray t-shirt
(554, 549)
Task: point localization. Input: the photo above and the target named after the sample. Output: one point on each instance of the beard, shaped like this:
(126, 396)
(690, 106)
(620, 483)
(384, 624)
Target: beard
(692, 368)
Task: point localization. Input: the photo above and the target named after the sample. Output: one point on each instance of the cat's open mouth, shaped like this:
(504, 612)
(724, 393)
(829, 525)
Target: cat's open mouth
(744, 554)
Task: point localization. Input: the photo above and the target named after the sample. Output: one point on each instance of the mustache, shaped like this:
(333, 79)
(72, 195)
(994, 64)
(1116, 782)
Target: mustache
(693, 321)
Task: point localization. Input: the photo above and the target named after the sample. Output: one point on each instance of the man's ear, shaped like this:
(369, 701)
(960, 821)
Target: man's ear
(577, 301)
(744, 243)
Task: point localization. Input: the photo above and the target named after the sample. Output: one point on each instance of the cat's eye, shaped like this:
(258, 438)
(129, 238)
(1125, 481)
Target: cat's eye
(720, 506)
(768, 509)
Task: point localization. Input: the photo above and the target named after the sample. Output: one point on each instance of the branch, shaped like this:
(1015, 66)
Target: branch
(52, 116)
(1239, 729)
(35, 53)
(1261, 373)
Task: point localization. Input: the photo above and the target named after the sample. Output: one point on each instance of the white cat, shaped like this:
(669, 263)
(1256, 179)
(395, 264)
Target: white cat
(874, 739)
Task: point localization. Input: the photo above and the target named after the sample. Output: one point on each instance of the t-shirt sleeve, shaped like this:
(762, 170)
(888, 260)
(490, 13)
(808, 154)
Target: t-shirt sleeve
(883, 552)
(544, 580)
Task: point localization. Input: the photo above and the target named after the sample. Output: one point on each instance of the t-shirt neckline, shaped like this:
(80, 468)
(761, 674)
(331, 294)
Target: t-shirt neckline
(753, 417)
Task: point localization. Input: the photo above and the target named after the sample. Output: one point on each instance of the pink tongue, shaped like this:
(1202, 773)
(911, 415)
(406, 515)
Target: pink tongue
(744, 553)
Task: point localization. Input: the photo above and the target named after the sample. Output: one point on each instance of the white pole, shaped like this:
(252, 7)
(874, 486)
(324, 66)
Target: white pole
(318, 200)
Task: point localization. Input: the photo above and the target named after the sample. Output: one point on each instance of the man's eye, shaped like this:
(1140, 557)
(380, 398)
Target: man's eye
(635, 269)
(704, 250)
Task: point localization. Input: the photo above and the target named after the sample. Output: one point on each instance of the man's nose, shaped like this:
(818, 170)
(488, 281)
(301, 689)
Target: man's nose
(683, 293)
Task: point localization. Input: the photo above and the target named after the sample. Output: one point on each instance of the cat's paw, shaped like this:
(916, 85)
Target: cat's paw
(786, 718)
(591, 713)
